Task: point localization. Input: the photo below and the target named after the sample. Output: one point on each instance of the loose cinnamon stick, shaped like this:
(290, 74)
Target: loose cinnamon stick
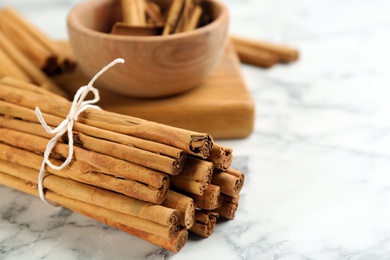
(184, 204)
(283, 52)
(33, 50)
(228, 207)
(256, 57)
(210, 200)
(65, 62)
(28, 68)
(221, 156)
(198, 144)
(10, 68)
(230, 181)
(173, 16)
(204, 223)
(81, 172)
(195, 176)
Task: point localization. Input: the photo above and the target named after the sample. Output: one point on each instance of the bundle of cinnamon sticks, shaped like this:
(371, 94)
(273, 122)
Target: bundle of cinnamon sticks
(150, 180)
(145, 17)
(29, 54)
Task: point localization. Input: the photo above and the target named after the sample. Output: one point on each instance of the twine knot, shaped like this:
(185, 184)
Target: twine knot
(79, 105)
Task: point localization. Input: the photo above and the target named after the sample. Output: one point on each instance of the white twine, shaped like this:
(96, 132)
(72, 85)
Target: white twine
(78, 106)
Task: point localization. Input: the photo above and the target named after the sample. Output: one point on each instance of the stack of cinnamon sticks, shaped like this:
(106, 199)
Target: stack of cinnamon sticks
(145, 17)
(28, 54)
(150, 180)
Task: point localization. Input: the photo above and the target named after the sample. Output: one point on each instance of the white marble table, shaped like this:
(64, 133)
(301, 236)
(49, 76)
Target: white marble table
(318, 162)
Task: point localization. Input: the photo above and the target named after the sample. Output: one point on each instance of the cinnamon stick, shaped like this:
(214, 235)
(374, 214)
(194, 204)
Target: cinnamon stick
(33, 50)
(130, 12)
(185, 16)
(194, 19)
(31, 87)
(153, 12)
(174, 244)
(204, 223)
(173, 16)
(231, 181)
(28, 68)
(283, 52)
(195, 176)
(184, 204)
(228, 207)
(210, 200)
(10, 68)
(64, 61)
(256, 57)
(221, 156)
(146, 30)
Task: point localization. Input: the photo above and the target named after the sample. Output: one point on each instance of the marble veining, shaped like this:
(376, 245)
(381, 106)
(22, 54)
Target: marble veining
(317, 163)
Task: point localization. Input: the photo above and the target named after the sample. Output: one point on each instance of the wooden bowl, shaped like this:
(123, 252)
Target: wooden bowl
(155, 66)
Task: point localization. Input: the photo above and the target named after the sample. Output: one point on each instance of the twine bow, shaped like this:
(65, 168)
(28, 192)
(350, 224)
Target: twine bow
(78, 106)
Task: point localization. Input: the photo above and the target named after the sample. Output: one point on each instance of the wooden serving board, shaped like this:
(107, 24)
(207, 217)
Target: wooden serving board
(222, 106)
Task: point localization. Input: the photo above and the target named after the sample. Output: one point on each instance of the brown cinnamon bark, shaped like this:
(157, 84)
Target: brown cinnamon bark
(96, 196)
(10, 68)
(221, 156)
(283, 52)
(256, 57)
(82, 172)
(184, 204)
(194, 19)
(33, 50)
(173, 16)
(210, 200)
(174, 244)
(230, 181)
(204, 223)
(229, 206)
(153, 12)
(64, 61)
(86, 208)
(31, 87)
(28, 68)
(194, 177)
(148, 159)
(146, 30)
(108, 164)
(198, 144)
(130, 12)
(26, 114)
